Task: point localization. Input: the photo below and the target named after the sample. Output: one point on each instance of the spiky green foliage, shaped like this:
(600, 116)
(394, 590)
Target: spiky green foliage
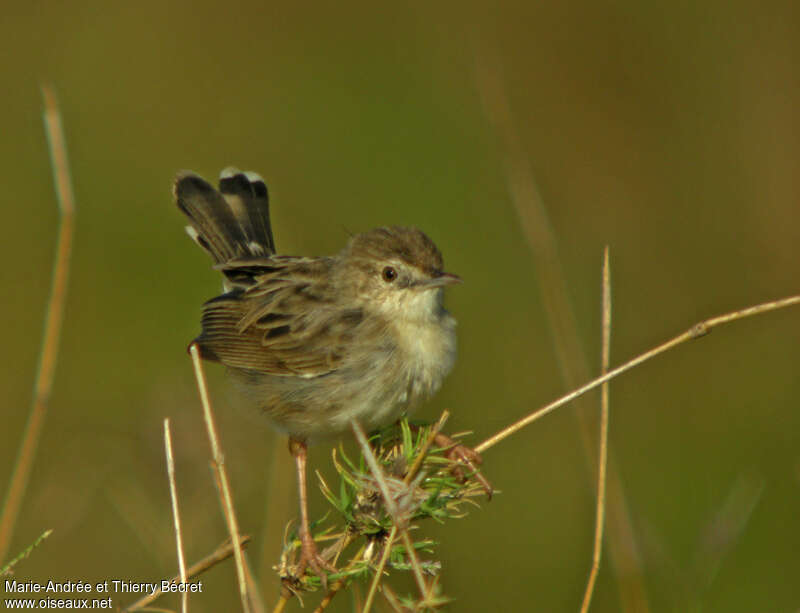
(422, 484)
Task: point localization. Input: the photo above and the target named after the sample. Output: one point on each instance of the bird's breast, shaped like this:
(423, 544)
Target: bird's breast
(427, 352)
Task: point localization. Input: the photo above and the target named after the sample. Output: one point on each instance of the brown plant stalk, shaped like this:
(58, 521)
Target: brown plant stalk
(222, 477)
(571, 358)
(221, 553)
(696, 331)
(602, 460)
(52, 329)
(176, 518)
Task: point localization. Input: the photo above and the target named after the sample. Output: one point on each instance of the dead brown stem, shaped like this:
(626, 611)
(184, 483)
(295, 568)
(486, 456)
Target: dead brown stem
(52, 330)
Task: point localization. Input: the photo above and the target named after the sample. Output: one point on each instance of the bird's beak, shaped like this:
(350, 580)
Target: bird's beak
(441, 279)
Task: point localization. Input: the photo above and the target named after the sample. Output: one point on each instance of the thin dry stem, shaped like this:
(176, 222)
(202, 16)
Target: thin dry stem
(391, 598)
(373, 588)
(256, 600)
(725, 528)
(52, 331)
(286, 595)
(334, 589)
(173, 494)
(602, 460)
(374, 468)
(223, 552)
(279, 484)
(696, 331)
(391, 508)
(222, 477)
(570, 353)
(412, 472)
(415, 565)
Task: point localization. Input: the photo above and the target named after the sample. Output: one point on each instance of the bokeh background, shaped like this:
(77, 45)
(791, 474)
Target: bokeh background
(509, 133)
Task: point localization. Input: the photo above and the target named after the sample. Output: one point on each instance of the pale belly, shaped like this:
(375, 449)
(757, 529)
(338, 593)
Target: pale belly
(375, 389)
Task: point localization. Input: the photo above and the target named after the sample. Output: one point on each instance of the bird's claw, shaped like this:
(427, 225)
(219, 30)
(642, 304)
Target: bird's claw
(311, 558)
(463, 455)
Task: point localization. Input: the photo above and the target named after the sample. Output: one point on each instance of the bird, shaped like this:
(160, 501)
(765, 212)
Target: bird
(317, 343)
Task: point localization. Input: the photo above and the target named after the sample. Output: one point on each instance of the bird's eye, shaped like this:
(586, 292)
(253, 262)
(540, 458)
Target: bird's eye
(389, 274)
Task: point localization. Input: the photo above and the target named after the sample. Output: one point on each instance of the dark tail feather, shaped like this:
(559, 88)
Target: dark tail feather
(247, 195)
(232, 223)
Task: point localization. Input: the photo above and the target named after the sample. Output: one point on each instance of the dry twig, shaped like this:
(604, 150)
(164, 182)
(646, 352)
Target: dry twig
(221, 475)
(696, 331)
(223, 552)
(602, 460)
(173, 494)
(570, 355)
(52, 330)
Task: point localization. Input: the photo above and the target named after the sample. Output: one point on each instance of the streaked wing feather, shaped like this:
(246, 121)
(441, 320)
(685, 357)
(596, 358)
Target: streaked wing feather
(285, 324)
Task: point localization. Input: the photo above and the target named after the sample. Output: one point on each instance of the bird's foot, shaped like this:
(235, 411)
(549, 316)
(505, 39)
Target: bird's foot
(463, 455)
(311, 558)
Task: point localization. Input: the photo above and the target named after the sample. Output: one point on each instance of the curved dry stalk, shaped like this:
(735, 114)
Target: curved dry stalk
(391, 508)
(278, 496)
(700, 329)
(571, 357)
(412, 472)
(223, 552)
(424, 589)
(222, 476)
(602, 461)
(375, 469)
(54, 317)
(437, 427)
(286, 595)
(334, 589)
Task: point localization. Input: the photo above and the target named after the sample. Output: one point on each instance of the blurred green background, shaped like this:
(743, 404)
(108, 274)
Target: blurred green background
(668, 131)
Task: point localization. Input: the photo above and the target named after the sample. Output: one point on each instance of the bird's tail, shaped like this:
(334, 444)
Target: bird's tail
(231, 223)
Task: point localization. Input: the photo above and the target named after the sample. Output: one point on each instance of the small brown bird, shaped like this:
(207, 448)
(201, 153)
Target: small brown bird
(317, 342)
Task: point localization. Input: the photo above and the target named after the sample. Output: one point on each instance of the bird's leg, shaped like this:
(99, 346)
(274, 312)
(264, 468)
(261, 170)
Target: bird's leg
(463, 455)
(309, 555)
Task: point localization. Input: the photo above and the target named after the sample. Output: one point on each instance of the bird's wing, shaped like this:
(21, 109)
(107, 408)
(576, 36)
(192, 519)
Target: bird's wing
(286, 323)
